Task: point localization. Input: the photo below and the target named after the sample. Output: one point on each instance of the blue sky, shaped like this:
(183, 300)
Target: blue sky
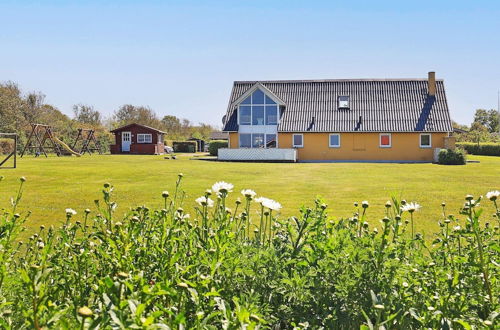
(181, 57)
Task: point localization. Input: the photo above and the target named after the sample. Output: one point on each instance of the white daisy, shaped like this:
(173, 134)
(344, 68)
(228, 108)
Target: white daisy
(221, 186)
(205, 201)
(70, 212)
(410, 207)
(248, 193)
(493, 195)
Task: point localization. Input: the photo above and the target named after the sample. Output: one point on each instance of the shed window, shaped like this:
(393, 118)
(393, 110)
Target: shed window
(425, 141)
(144, 138)
(298, 140)
(343, 102)
(258, 109)
(334, 141)
(385, 140)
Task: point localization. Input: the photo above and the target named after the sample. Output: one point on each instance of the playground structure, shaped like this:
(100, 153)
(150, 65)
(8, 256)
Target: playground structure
(13, 153)
(42, 139)
(87, 136)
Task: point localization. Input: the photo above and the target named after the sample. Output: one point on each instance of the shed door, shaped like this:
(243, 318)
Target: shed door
(126, 140)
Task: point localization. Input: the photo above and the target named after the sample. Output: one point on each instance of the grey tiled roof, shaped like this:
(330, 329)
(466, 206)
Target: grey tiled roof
(376, 105)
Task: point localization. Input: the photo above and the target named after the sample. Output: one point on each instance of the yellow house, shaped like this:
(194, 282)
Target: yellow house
(398, 120)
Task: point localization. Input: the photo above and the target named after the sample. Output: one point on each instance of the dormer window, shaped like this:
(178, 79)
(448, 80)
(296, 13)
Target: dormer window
(343, 102)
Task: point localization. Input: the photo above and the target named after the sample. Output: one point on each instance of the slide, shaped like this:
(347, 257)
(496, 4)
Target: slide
(66, 147)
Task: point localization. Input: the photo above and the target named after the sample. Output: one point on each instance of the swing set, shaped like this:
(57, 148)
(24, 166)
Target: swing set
(42, 139)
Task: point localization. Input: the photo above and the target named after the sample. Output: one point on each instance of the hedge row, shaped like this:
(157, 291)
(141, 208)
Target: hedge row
(487, 149)
(184, 146)
(215, 145)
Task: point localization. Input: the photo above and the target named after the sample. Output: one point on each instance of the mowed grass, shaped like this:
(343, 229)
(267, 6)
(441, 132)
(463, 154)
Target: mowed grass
(54, 184)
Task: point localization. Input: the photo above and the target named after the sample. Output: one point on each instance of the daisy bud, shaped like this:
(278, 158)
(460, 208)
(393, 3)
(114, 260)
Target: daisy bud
(469, 197)
(165, 194)
(22, 179)
(106, 185)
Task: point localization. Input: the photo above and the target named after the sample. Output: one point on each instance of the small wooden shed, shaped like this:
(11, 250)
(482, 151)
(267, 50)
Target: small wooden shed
(138, 139)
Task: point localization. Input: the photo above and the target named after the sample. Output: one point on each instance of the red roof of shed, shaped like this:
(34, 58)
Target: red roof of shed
(134, 124)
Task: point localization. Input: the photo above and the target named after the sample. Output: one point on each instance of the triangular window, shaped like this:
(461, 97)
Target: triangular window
(258, 109)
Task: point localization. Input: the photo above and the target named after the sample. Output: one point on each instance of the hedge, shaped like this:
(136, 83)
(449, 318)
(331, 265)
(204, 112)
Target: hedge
(6, 146)
(215, 145)
(184, 146)
(451, 157)
(485, 148)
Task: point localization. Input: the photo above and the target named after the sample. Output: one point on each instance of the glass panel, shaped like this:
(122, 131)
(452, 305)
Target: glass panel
(334, 140)
(385, 140)
(245, 140)
(258, 97)
(258, 140)
(271, 115)
(425, 140)
(248, 100)
(270, 140)
(245, 115)
(258, 115)
(297, 140)
(269, 100)
(343, 101)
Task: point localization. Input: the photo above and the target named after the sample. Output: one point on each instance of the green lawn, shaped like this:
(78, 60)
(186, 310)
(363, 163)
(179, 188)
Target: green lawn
(54, 184)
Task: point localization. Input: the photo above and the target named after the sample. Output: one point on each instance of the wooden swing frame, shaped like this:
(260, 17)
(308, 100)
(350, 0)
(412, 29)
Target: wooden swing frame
(13, 153)
(87, 136)
(38, 137)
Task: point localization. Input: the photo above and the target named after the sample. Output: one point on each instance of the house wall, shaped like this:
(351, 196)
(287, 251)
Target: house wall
(363, 146)
(233, 140)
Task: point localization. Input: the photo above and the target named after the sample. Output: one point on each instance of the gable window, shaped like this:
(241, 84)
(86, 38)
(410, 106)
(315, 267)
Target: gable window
(245, 115)
(343, 102)
(425, 141)
(144, 138)
(245, 140)
(298, 140)
(258, 109)
(385, 140)
(334, 141)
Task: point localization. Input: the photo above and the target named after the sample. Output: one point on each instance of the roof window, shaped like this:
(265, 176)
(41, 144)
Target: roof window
(343, 102)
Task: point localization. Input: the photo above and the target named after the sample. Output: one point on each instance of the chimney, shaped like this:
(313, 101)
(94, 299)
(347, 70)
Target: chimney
(431, 83)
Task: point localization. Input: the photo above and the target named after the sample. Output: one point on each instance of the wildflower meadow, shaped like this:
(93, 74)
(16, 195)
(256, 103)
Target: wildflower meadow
(243, 266)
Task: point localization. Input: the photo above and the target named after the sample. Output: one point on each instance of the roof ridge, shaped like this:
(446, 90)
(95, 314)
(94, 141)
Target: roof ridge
(330, 80)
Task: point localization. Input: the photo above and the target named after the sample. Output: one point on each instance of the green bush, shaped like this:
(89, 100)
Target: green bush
(484, 148)
(215, 145)
(6, 146)
(247, 268)
(452, 157)
(184, 146)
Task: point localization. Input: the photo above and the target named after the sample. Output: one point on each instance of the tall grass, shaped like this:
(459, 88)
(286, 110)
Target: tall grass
(245, 267)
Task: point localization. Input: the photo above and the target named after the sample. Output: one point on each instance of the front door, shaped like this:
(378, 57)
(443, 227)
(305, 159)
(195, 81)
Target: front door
(126, 140)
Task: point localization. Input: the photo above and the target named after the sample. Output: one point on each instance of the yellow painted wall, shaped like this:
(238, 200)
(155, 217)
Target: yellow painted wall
(363, 146)
(233, 140)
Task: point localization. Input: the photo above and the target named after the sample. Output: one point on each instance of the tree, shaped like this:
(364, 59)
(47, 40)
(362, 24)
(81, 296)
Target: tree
(87, 115)
(488, 119)
(172, 124)
(128, 114)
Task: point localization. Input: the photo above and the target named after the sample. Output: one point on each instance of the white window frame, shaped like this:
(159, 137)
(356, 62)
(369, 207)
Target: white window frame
(348, 102)
(330, 140)
(251, 105)
(420, 140)
(251, 140)
(296, 145)
(144, 140)
(380, 140)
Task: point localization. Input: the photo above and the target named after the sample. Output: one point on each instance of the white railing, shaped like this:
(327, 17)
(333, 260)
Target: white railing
(258, 154)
